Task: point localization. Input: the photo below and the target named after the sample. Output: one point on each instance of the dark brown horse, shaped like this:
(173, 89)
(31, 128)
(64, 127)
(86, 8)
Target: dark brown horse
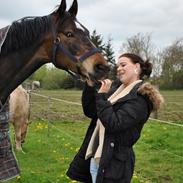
(31, 42)
(57, 38)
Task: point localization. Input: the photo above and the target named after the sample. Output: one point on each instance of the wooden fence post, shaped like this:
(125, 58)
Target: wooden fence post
(155, 114)
(49, 106)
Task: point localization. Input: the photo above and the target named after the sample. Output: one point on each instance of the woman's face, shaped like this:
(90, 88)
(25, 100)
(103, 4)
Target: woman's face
(127, 71)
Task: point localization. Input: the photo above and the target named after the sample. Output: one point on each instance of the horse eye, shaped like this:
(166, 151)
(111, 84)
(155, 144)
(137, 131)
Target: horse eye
(69, 34)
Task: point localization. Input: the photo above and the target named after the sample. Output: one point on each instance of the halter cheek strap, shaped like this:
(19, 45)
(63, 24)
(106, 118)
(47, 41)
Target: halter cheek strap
(58, 46)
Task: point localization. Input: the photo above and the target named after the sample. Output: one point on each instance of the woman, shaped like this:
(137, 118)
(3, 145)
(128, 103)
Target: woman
(118, 115)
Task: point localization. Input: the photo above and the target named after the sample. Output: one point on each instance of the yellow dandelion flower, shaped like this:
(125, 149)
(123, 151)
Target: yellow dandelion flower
(135, 176)
(147, 181)
(77, 149)
(18, 177)
(66, 145)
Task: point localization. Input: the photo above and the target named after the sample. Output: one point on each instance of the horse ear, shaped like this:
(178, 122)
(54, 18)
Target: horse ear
(62, 8)
(74, 8)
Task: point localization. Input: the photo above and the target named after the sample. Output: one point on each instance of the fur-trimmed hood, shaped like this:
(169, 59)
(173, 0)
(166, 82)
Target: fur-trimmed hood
(153, 94)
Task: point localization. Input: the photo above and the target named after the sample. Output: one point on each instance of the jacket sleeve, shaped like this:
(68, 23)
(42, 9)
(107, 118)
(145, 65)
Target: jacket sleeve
(128, 115)
(89, 101)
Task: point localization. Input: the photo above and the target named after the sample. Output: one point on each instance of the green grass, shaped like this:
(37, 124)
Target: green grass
(58, 110)
(159, 155)
(173, 107)
(46, 159)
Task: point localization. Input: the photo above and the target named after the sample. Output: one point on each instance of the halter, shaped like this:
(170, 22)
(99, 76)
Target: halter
(58, 46)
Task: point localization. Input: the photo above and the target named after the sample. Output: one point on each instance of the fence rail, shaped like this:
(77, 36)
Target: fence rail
(49, 99)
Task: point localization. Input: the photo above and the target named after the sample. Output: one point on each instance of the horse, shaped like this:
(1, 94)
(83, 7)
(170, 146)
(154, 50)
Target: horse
(58, 38)
(35, 85)
(19, 114)
(30, 42)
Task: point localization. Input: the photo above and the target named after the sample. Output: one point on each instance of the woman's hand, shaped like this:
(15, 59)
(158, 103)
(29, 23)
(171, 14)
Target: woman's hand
(106, 85)
(90, 82)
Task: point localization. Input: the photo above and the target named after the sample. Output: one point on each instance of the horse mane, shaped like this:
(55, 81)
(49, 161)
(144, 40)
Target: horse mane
(24, 32)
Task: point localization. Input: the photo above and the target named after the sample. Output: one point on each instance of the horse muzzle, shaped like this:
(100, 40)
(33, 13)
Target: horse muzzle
(101, 72)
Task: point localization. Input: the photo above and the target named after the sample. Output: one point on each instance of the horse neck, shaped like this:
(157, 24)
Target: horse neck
(16, 67)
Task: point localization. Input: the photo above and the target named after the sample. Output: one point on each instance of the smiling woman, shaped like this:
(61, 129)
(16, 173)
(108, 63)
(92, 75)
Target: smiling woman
(118, 114)
(33, 41)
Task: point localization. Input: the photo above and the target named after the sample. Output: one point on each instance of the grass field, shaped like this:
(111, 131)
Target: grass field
(159, 152)
(173, 107)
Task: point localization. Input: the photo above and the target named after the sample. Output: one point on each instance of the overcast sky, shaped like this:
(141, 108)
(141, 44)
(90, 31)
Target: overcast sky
(119, 19)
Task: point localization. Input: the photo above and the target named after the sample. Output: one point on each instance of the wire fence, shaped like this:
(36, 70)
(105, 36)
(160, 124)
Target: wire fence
(48, 104)
(50, 109)
(47, 109)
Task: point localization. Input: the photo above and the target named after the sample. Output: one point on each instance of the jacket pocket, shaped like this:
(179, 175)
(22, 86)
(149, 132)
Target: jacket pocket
(116, 167)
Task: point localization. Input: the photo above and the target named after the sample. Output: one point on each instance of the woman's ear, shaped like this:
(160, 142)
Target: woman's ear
(137, 69)
(137, 65)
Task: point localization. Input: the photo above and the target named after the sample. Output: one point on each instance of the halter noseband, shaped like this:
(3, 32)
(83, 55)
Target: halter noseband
(58, 46)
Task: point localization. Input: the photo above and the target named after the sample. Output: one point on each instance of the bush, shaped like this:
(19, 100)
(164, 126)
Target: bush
(54, 78)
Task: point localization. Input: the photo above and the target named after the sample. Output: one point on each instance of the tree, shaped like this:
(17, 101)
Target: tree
(97, 39)
(54, 78)
(39, 74)
(141, 44)
(106, 48)
(172, 69)
(177, 80)
(108, 52)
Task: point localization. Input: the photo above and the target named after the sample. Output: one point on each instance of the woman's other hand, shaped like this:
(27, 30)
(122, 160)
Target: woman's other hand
(105, 86)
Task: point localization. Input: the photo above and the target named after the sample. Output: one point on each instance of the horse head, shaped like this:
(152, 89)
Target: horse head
(58, 38)
(73, 50)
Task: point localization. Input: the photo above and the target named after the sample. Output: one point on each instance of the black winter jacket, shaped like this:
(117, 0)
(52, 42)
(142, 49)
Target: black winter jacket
(123, 122)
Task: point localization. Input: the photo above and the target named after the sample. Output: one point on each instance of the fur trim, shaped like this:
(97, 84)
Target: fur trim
(153, 93)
